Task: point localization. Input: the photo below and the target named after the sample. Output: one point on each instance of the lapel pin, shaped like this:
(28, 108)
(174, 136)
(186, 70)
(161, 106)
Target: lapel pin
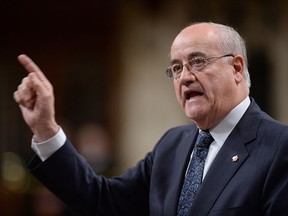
(235, 158)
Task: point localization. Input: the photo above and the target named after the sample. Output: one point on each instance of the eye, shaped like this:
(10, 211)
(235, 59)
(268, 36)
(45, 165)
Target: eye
(176, 68)
(197, 62)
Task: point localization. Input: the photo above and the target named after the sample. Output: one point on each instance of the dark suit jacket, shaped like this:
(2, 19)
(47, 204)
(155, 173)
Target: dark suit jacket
(255, 184)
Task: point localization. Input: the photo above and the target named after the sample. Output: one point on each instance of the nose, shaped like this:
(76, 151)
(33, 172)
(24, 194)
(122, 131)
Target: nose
(187, 76)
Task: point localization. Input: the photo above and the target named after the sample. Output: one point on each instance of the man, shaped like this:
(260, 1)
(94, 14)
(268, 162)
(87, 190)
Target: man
(245, 171)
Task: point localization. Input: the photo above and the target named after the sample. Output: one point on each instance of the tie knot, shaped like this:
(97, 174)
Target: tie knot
(204, 139)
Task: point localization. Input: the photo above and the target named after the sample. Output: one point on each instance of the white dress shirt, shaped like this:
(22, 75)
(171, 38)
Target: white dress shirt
(221, 131)
(47, 148)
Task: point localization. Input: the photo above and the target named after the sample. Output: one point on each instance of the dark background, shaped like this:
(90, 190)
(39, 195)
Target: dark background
(78, 44)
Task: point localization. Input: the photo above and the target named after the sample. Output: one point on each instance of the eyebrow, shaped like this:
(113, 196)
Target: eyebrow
(196, 54)
(190, 56)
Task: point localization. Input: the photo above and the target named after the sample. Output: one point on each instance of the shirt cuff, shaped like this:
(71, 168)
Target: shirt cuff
(45, 149)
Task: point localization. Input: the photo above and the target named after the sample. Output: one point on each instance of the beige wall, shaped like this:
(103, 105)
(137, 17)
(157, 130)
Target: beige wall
(148, 103)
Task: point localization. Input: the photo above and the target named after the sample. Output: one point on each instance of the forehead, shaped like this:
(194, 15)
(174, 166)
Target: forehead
(195, 39)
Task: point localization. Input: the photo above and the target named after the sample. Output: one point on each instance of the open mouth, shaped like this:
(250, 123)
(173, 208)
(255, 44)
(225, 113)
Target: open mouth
(192, 94)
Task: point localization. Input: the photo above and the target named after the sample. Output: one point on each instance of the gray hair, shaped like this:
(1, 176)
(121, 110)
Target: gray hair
(231, 42)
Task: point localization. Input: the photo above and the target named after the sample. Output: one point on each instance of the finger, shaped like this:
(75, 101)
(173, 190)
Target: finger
(31, 67)
(24, 100)
(16, 97)
(24, 90)
(28, 64)
(28, 90)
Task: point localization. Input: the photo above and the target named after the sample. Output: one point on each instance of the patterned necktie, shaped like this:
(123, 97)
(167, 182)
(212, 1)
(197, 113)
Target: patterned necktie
(194, 173)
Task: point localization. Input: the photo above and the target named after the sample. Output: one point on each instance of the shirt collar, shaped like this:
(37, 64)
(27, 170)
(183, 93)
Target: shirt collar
(221, 131)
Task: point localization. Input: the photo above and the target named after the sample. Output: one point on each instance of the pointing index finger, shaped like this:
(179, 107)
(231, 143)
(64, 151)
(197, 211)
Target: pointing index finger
(28, 64)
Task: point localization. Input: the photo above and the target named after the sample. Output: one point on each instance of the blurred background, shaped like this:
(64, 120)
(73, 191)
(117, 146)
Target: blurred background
(106, 61)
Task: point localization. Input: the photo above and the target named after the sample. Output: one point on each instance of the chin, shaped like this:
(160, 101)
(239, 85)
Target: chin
(195, 116)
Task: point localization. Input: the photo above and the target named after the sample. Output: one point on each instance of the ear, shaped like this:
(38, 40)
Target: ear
(238, 64)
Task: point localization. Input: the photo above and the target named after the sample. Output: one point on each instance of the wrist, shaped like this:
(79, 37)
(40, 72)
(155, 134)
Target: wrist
(45, 132)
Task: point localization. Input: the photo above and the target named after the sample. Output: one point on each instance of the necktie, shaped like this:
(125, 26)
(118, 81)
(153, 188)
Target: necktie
(194, 173)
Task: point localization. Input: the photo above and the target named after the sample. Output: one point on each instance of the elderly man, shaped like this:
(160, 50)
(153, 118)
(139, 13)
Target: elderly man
(231, 161)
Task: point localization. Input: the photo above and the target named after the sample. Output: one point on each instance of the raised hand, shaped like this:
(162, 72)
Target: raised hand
(36, 100)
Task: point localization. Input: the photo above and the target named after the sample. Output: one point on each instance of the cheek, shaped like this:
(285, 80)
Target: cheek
(222, 92)
(221, 85)
(177, 88)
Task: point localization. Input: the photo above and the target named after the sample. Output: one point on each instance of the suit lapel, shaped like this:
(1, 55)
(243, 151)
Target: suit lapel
(235, 145)
(216, 180)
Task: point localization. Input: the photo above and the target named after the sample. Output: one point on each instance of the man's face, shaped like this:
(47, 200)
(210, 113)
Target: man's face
(206, 96)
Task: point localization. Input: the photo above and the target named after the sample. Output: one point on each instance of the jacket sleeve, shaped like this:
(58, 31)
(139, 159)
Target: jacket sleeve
(275, 191)
(67, 174)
